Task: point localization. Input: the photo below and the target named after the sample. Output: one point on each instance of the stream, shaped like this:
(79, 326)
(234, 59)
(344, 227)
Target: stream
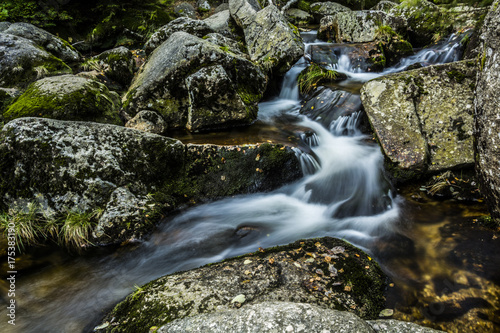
(443, 277)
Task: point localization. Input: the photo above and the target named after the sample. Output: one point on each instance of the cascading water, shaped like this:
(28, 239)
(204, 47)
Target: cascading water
(343, 193)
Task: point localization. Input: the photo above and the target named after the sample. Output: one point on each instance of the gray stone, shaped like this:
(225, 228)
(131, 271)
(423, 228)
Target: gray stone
(191, 26)
(357, 26)
(270, 317)
(23, 61)
(203, 5)
(185, 9)
(298, 17)
(423, 118)
(53, 44)
(322, 9)
(170, 84)
(219, 22)
(226, 43)
(298, 272)
(148, 121)
(117, 64)
(272, 42)
(67, 97)
(487, 122)
(221, 7)
(243, 11)
(384, 5)
(133, 177)
(396, 326)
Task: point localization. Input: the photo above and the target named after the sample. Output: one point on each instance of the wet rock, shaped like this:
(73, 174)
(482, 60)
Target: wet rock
(298, 272)
(117, 64)
(357, 26)
(243, 11)
(271, 317)
(298, 17)
(327, 105)
(191, 26)
(396, 326)
(22, 62)
(321, 9)
(226, 43)
(272, 42)
(185, 9)
(148, 121)
(133, 177)
(55, 45)
(171, 83)
(67, 97)
(423, 118)
(487, 122)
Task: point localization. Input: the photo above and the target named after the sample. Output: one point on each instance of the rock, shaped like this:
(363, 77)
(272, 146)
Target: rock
(486, 117)
(327, 105)
(67, 97)
(298, 17)
(272, 42)
(396, 326)
(172, 84)
(423, 118)
(191, 26)
(203, 5)
(7, 95)
(357, 26)
(185, 9)
(271, 317)
(55, 45)
(384, 6)
(148, 121)
(134, 177)
(221, 7)
(226, 43)
(428, 22)
(221, 22)
(363, 56)
(22, 62)
(321, 9)
(298, 272)
(117, 64)
(243, 11)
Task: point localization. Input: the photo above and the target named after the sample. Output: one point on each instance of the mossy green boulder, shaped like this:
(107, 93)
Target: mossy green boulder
(130, 177)
(195, 84)
(117, 64)
(67, 97)
(326, 272)
(423, 118)
(22, 62)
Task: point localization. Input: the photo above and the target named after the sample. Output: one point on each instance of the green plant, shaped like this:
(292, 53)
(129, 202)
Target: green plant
(41, 72)
(26, 224)
(77, 228)
(310, 77)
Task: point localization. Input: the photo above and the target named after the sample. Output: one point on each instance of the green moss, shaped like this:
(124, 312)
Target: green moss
(304, 5)
(457, 75)
(91, 104)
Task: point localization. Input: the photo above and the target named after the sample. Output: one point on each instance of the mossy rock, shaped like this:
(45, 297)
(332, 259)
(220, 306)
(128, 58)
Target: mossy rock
(66, 97)
(117, 64)
(327, 272)
(23, 62)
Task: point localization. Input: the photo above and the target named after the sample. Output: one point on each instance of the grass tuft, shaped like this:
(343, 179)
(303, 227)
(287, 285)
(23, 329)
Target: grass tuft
(312, 76)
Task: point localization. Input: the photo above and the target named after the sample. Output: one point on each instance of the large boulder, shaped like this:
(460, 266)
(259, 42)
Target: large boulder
(67, 97)
(423, 118)
(23, 61)
(272, 42)
(243, 11)
(487, 123)
(326, 272)
(131, 177)
(55, 45)
(322, 9)
(222, 23)
(117, 64)
(197, 85)
(357, 26)
(270, 317)
(298, 17)
(191, 26)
